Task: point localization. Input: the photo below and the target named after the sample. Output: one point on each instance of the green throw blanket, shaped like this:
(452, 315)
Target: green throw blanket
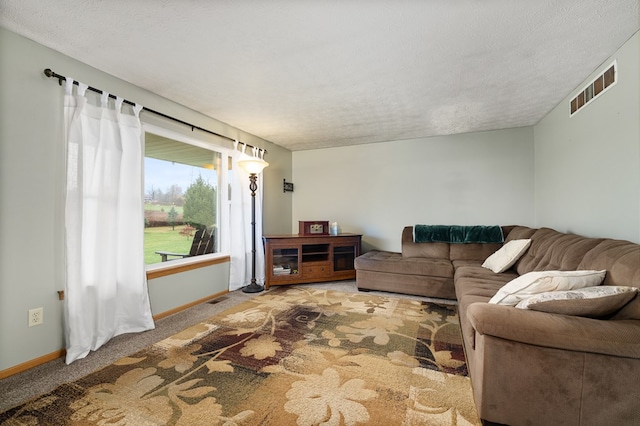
(457, 234)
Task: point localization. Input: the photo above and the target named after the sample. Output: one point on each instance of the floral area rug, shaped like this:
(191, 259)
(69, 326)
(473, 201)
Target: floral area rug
(292, 356)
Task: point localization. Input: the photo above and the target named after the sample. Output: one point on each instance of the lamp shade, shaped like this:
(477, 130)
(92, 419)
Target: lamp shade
(253, 165)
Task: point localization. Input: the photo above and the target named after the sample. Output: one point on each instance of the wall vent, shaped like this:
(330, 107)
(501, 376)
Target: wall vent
(597, 87)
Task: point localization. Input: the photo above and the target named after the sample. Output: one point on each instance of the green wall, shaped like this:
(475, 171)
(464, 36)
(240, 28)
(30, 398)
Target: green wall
(587, 166)
(482, 178)
(32, 155)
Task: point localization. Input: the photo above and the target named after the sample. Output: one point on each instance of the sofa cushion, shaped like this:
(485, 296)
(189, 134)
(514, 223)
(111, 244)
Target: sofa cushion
(478, 275)
(592, 302)
(474, 283)
(516, 232)
(542, 281)
(395, 263)
(480, 252)
(476, 287)
(418, 285)
(434, 250)
(472, 251)
(620, 259)
(507, 255)
(552, 250)
(411, 249)
(631, 311)
(474, 280)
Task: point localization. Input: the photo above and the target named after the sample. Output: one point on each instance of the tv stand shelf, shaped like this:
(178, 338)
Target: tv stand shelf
(295, 259)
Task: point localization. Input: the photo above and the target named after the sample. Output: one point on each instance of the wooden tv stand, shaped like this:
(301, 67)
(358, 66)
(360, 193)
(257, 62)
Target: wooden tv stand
(295, 259)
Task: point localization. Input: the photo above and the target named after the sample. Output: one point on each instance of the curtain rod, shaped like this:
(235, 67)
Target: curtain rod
(49, 73)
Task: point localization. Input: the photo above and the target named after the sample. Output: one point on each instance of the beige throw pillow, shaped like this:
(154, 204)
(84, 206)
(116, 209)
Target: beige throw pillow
(507, 255)
(593, 302)
(542, 281)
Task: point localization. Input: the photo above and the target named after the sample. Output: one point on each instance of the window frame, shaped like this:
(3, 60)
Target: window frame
(180, 265)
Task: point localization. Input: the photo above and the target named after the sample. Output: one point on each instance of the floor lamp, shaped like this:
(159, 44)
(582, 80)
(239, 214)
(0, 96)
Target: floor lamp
(253, 166)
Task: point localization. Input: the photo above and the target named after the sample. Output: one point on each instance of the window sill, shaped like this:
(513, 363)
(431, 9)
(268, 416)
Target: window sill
(177, 266)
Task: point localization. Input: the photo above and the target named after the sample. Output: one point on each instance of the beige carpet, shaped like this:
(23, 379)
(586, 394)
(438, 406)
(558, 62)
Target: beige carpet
(302, 355)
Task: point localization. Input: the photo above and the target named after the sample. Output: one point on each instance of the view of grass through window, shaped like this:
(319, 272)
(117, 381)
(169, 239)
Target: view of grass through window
(180, 202)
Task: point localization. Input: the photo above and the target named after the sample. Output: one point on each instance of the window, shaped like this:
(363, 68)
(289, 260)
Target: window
(183, 189)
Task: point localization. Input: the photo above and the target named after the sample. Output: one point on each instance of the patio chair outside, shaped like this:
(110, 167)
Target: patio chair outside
(203, 243)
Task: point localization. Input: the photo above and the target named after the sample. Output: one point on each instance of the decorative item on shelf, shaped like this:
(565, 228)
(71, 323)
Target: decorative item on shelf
(281, 270)
(287, 186)
(317, 227)
(334, 229)
(253, 166)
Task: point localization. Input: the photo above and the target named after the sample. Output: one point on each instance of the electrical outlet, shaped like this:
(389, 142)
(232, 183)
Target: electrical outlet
(36, 316)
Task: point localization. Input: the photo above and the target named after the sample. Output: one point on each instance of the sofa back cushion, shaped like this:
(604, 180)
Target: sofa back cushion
(469, 251)
(517, 233)
(553, 250)
(430, 250)
(473, 251)
(620, 258)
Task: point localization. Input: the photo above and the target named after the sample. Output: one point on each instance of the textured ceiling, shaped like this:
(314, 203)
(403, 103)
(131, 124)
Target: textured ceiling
(314, 74)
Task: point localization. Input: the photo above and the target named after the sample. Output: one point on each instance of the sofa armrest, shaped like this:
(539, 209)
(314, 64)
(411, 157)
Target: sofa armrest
(609, 337)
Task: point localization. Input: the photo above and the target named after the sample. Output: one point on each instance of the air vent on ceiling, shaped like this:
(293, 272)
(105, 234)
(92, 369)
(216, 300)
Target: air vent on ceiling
(597, 87)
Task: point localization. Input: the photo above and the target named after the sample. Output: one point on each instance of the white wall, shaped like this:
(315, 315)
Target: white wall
(476, 178)
(32, 194)
(587, 167)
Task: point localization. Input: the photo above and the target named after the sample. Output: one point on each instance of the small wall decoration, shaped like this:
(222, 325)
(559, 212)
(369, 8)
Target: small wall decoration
(287, 186)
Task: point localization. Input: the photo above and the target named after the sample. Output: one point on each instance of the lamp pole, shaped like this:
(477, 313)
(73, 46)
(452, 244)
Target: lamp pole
(253, 287)
(253, 166)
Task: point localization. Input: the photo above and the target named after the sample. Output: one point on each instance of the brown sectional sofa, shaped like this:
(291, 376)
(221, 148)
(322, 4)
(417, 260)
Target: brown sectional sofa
(529, 367)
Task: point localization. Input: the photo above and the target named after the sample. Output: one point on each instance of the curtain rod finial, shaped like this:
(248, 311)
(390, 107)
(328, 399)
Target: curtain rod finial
(50, 74)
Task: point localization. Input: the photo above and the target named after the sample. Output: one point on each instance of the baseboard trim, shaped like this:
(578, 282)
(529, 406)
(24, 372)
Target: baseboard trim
(60, 353)
(32, 363)
(188, 305)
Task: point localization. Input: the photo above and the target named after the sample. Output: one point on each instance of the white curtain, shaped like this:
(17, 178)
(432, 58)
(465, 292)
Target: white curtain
(240, 223)
(106, 289)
